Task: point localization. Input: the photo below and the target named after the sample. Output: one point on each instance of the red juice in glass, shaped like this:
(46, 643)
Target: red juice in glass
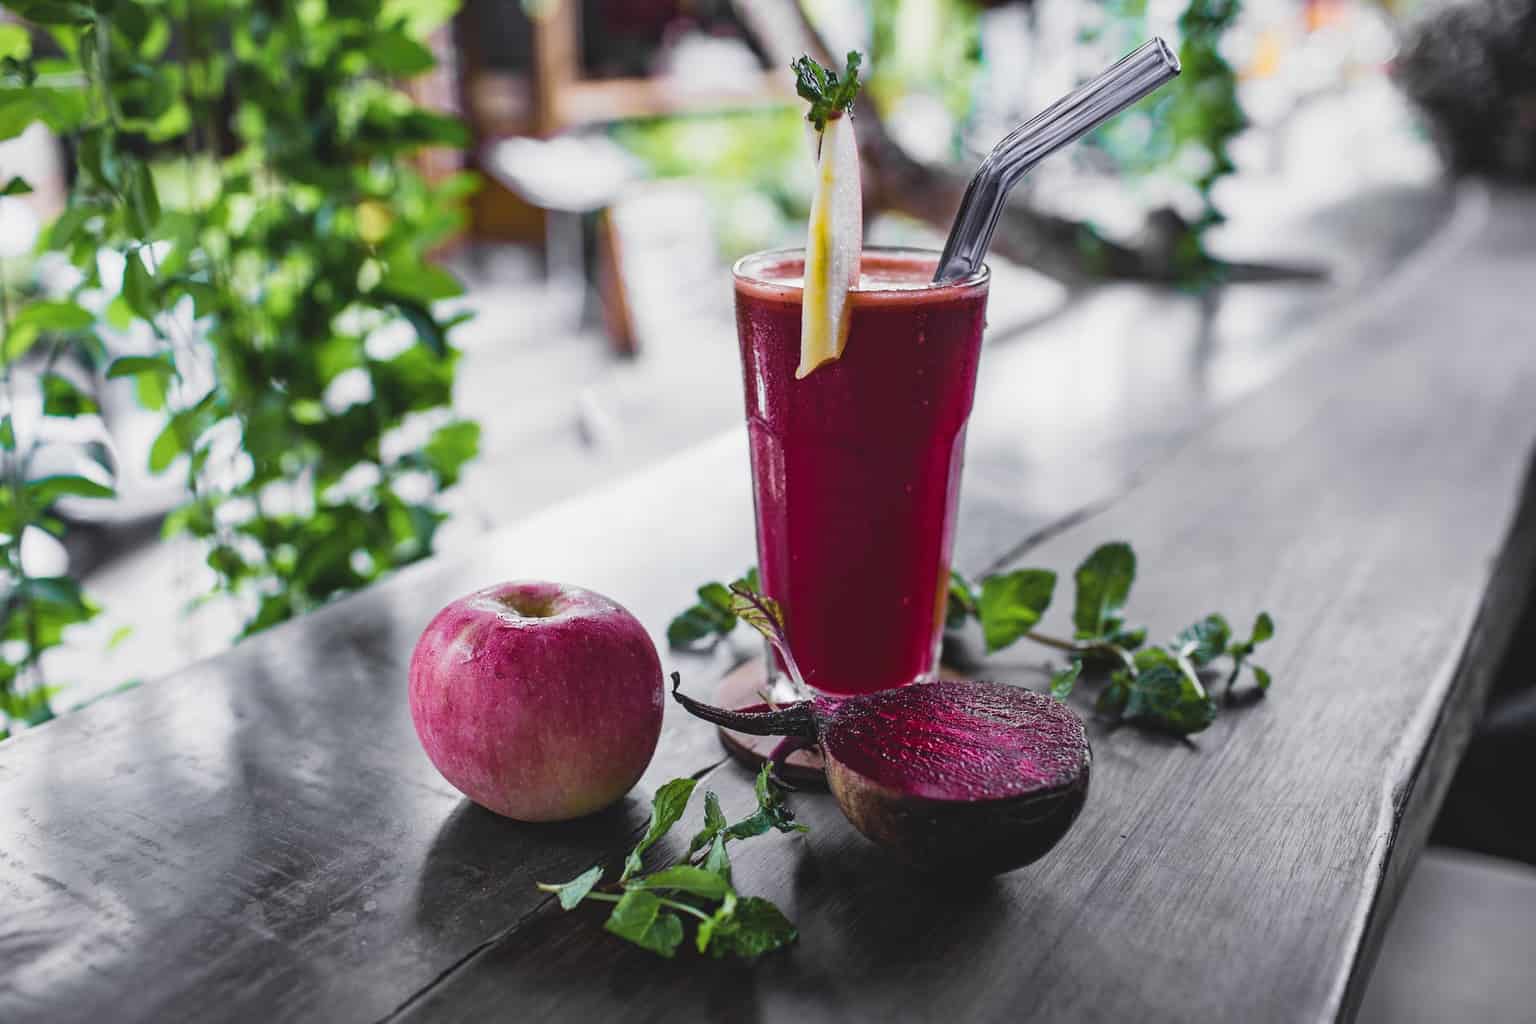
(856, 468)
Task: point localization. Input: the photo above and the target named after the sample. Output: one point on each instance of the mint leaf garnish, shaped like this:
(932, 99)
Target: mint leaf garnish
(1263, 629)
(1011, 603)
(1103, 584)
(755, 927)
(574, 891)
(1063, 681)
(1166, 695)
(714, 822)
(639, 917)
(666, 808)
(685, 878)
(828, 95)
(962, 601)
(711, 618)
(1205, 641)
(651, 908)
(772, 812)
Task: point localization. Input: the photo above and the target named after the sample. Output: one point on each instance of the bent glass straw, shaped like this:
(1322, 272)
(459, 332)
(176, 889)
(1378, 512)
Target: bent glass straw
(1135, 75)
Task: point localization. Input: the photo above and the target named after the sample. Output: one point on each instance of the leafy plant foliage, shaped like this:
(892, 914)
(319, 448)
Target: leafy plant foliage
(249, 165)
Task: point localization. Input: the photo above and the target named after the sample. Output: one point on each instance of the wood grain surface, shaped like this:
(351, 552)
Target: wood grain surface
(260, 837)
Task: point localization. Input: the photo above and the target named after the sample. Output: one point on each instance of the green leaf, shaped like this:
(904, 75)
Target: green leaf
(7, 433)
(1062, 682)
(132, 366)
(639, 918)
(1165, 695)
(450, 447)
(396, 53)
(573, 892)
(15, 42)
(143, 201)
(666, 808)
(62, 398)
(16, 186)
(1012, 603)
(1261, 676)
(772, 812)
(755, 927)
(1205, 641)
(961, 603)
(1103, 584)
(44, 491)
(717, 860)
(714, 822)
(54, 316)
(139, 287)
(828, 95)
(712, 618)
(759, 611)
(685, 878)
(428, 331)
(1263, 629)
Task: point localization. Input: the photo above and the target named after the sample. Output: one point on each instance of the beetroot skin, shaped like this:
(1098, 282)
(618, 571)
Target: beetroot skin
(970, 776)
(538, 701)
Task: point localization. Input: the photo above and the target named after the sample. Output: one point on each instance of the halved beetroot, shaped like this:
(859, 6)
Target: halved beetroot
(953, 775)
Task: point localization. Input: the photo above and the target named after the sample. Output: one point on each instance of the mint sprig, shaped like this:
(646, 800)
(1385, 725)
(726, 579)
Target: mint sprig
(702, 625)
(649, 909)
(828, 94)
(1160, 688)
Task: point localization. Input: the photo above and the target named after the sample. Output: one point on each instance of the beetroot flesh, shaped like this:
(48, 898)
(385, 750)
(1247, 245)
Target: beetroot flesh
(974, 776)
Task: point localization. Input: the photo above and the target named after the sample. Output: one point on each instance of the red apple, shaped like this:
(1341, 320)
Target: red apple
(538, 701)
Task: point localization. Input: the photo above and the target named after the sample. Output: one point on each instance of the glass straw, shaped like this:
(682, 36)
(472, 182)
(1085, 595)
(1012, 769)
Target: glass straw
(1135, 75)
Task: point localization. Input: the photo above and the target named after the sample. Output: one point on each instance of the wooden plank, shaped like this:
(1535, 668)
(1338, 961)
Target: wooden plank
(1377, 501)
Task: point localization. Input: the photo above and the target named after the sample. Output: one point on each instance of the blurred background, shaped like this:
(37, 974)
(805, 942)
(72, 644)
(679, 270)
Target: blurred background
(297, 294)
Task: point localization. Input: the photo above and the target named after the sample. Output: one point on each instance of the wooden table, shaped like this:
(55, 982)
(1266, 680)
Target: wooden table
(260, 837)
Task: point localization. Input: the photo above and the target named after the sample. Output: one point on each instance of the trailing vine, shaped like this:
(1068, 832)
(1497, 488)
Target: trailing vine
(248, 162)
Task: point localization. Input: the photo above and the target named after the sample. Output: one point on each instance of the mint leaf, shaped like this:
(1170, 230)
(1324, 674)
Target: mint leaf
(685, 878)
(717, 860)
(574, 891)
(1205, 641)
(1263, 629)
(754, 928)
(1103, 583)
(962, 601)
(714, 823)
(828, 95)
(1113, 697)
(639, 918)
(712, 618)
(1013, 602)
(772, 812)
(666, 808)
(1165, 695)
(1062, 682)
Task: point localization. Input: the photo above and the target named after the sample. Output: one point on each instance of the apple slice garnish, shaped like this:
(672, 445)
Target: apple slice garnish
(835, 241)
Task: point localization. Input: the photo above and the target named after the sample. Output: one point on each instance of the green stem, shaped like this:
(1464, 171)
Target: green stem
(1083, 650)
(604, 897)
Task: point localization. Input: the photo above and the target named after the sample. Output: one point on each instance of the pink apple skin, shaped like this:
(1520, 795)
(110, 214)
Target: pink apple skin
(538, 701)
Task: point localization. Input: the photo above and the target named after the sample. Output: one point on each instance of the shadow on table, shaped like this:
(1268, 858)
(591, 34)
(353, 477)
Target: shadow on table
(481, 864)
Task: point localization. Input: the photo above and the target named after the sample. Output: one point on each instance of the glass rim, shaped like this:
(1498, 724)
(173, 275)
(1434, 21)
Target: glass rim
(743, 271)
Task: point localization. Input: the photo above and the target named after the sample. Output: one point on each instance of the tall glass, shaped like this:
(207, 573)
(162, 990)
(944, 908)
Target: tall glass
(856, 468)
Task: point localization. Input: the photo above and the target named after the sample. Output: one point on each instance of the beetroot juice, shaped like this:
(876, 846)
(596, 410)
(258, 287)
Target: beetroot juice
(856, 468)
